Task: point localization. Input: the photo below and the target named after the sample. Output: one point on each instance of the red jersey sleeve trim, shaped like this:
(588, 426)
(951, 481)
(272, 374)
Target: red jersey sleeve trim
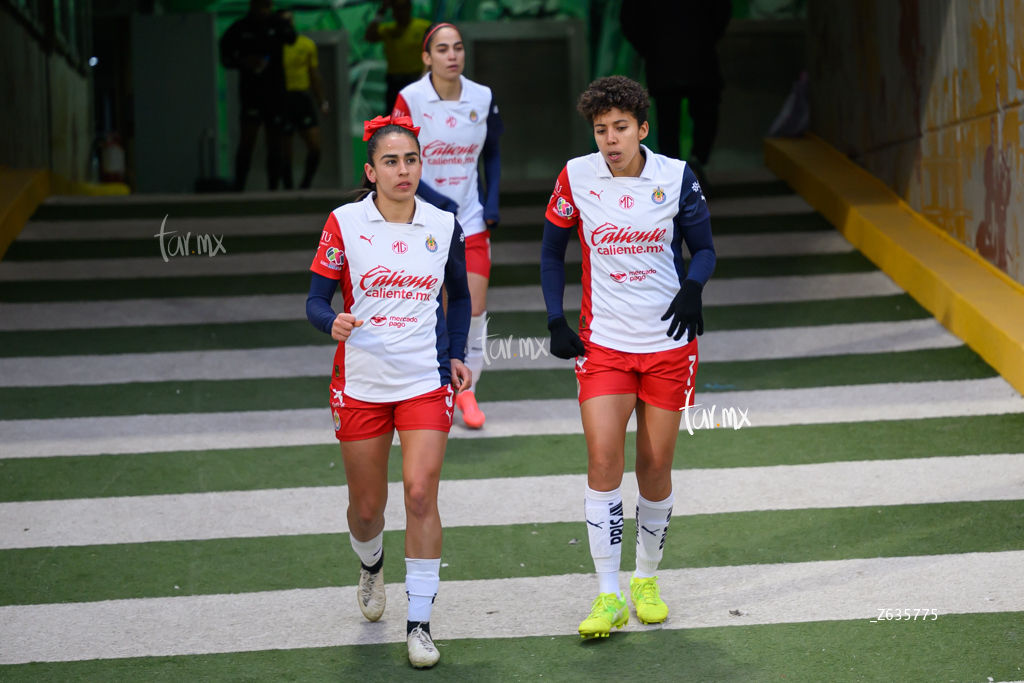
(401, 107)
(330, 255)
(562, 209)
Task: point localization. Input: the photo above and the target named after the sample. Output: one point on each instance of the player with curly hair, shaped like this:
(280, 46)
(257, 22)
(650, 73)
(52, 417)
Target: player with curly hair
(636, 350)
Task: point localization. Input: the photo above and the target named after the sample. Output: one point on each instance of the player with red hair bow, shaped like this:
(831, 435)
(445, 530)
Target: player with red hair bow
(460, 125)
(399, 362)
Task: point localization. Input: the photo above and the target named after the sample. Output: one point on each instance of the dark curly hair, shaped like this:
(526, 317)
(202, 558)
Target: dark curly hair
(612, 92)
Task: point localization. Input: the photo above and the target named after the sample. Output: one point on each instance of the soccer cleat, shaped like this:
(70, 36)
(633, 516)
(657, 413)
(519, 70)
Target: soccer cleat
(471, 413)
(371, 594)
(422, 652)
(605, 612)
(646, 596)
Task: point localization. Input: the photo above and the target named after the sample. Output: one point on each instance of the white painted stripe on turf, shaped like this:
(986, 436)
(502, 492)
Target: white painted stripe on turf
(507, 354)
(245, 263)
(507, 501)
(148, 228)
(255, 429)
(297, 261)
(838, 590)
(65, 315)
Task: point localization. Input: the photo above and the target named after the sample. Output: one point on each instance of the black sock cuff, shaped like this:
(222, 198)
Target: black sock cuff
(376, 567)
(410, 625)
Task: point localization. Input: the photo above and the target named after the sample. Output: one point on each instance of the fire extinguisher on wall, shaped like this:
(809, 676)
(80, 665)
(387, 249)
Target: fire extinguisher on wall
(112, 164)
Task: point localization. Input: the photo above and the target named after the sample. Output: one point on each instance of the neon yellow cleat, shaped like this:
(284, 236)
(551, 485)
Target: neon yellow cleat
(606, 611)
(650, 608)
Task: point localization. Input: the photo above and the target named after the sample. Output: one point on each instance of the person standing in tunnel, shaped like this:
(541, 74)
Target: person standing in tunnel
(403, 41)
(255, 46)
(302, 75)
(677, 39)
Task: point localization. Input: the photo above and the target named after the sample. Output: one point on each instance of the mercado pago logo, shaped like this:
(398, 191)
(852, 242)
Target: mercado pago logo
(381, 282)
(611, 240)
(440, 153)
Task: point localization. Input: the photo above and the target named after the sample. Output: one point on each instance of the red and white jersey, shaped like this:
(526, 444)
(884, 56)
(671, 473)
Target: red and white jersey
(391, 276)
(632, 231)
(451, 137)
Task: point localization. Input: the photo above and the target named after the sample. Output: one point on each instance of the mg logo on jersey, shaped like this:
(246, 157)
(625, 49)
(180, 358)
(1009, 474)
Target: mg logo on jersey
(399, 247)
(450, 122)
(625, 202)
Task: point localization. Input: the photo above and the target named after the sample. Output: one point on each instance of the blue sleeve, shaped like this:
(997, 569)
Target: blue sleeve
(318, 303)
(552, 267)
(460, 306)
(492, 164)
(693, 225)
(432, 196)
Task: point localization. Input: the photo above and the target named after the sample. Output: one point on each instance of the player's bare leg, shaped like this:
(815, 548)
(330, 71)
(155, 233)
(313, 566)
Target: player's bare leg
(604, 423)
(366, 470)
(422, 456)
(466, 400)
(311, 136)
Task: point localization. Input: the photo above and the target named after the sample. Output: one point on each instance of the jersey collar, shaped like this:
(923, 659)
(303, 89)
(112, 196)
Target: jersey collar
(373, 214)
(432, 96)
(647, 173)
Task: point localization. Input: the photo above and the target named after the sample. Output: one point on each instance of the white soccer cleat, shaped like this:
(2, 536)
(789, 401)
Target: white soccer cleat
(422, 652)
(371, 595)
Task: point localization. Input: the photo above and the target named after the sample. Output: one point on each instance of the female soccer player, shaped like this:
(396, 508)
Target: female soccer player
(459, 121)
(398, 358)
(633, 210)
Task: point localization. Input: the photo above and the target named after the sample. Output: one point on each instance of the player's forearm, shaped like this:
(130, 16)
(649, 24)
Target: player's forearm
(460, 304)
(552, 267)
(318, 303)
(316, 85)
(492, 177)
(702, 249)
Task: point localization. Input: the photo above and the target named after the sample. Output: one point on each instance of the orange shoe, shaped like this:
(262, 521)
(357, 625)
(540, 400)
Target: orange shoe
(471, 414)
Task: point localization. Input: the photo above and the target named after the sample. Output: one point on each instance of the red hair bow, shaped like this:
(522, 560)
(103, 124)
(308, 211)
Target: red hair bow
(371, 127)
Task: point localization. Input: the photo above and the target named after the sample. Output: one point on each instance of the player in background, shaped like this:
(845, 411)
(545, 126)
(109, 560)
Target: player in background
(302, 76)
(398, 364)
(255, 46)
(633, 210)
(460, 125)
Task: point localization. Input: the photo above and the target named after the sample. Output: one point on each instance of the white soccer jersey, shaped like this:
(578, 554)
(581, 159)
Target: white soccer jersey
(391, 276)
(451, 137)
(631, 230)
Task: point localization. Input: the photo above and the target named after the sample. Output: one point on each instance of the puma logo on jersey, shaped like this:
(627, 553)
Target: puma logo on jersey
(368, 239)
(428, 116)
(597, 194)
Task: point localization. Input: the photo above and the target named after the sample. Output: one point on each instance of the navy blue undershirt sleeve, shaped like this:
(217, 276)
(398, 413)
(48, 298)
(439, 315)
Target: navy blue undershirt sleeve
(460, 306)
(432, 196)
(552, 267)
(693, 225)
(492, 164)
(318, 303)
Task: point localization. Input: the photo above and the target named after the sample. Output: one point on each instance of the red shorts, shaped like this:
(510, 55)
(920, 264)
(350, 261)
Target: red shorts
(478, 253)
(355, 420)
(664, 379)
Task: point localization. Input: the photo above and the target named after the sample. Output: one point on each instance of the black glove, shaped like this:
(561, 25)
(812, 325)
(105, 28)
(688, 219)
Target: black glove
(565, 343)
(685, 311)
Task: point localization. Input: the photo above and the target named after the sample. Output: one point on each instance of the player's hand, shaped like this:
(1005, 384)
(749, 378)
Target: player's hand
(462, 377)
(685, 311)
(343, 325)
(565, 343)
(491, 224)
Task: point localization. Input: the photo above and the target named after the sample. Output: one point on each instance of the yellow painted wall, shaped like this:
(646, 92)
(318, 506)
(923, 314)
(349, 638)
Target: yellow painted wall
(927, 95)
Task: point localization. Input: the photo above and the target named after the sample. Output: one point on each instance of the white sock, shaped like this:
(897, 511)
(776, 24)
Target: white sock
(604, 529)
(475, 346)
(422, 577)
(369, 552)
(651, 528)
